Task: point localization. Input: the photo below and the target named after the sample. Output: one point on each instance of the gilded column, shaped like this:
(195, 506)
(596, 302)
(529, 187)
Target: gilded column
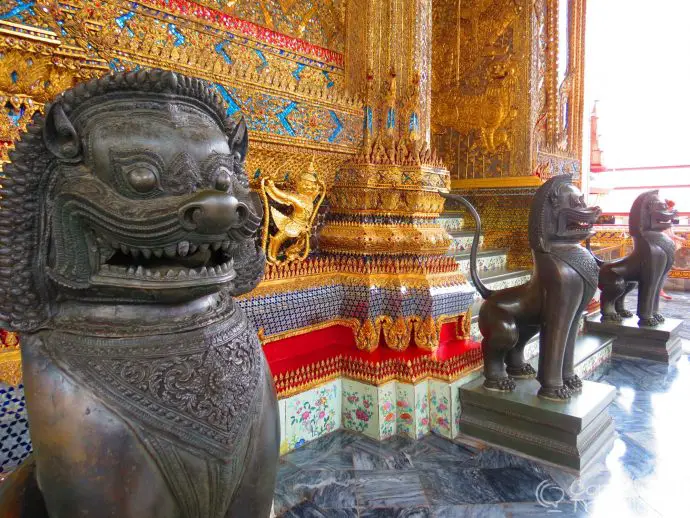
(385, 202)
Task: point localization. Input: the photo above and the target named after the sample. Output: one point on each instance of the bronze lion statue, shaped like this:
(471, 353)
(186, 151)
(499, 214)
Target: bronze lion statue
(128, 227)
(647, 266)
(562, 284)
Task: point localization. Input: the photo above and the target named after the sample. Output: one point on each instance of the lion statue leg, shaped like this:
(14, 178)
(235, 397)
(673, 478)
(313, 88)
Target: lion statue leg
(82, 447)
(657, 315)
(620, 302)
(254, 496)
(570, 379)
(561, 308)
(612, 289)
(500, 335)
(645, 301)
(516, 366)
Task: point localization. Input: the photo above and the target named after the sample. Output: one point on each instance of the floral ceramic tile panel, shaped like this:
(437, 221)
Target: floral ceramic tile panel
(421, 407)
(313, 413)
(405, 409)
(439, 408)
(282, 404)
(456, 408)
(387, 410)
(360, 408)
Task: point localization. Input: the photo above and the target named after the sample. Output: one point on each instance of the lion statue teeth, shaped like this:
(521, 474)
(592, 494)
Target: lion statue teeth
(563, 281)
(130, 227)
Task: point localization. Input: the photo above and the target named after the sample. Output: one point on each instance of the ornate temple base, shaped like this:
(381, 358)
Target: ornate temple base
(661, 343)
(570, 435)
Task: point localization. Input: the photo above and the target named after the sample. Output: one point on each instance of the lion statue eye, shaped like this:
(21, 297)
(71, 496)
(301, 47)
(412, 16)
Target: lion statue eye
(223, 179)
(142, 178)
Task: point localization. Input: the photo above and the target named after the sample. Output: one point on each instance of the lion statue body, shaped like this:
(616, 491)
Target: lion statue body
(647, 266)
(562, 284)
(130, 227)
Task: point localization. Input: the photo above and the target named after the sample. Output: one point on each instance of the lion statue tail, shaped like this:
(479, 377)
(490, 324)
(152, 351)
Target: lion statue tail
(474, 274)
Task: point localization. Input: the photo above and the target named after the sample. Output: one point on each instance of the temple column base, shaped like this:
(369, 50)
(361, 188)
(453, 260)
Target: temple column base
(569, 435)
(661, 343)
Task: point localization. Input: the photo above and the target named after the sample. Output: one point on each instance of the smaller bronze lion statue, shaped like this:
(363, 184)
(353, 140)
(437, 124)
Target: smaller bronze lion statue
(647, 265)
(562, 284)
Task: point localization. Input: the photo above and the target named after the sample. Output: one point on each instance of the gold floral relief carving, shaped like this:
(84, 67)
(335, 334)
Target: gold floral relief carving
(480, 86)
(321, 22)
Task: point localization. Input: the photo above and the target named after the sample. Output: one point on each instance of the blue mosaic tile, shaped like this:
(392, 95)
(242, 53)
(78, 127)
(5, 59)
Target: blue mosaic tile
(298, 309)
(15, 443)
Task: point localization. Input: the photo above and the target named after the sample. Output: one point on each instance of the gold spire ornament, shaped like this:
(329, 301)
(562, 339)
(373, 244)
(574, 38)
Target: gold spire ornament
(289, 216)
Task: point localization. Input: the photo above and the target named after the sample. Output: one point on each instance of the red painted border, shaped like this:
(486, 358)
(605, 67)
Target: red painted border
(249, 29)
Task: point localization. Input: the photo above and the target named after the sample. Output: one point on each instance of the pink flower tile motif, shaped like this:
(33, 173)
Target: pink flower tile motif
(312, 414)
(422, 409)
(405, 409)
(360, 411)
(439, 410)
(387, 410)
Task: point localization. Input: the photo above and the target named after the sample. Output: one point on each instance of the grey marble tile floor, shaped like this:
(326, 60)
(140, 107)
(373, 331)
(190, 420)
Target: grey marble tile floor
(645, 474)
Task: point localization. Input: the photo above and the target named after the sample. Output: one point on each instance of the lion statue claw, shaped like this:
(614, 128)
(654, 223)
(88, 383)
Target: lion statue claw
(132, 226)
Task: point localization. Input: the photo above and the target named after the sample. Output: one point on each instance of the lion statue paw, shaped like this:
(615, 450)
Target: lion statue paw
(574, 383)
(562, 393)
(659, 318)
(523, 371)
(624, 313)
(502, 384)
(648, 322)
(615, 317)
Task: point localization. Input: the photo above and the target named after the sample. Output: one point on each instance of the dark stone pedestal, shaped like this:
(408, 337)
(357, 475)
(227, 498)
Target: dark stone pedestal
(661, 343)
(569, 435)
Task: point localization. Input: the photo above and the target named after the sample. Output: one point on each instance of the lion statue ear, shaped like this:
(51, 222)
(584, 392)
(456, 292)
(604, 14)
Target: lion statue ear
(59, 134)
(238, 138)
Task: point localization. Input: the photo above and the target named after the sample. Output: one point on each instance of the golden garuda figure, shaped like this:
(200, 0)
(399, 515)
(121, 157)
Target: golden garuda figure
(289, 216)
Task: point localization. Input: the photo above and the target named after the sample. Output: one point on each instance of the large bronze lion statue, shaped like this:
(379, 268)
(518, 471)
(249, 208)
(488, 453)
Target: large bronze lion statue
(647, 265)
(562, 284)
(128, 225)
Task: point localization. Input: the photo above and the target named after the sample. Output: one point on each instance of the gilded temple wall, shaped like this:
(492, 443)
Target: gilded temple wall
(507, 87)
(290, 91)
(507, 104)
(370, 83)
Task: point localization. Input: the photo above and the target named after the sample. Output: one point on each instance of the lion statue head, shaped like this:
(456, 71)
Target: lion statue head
(559, 215)
(650, 213)
(130, 189)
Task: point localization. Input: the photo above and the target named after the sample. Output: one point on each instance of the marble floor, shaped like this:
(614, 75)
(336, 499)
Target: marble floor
(644, 475)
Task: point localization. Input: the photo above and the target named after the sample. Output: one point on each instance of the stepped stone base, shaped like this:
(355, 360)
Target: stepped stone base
(661, 343)
(570, 435)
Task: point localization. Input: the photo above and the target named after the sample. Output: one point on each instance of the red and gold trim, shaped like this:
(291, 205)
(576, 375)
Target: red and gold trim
(303, 362)
(186, 8)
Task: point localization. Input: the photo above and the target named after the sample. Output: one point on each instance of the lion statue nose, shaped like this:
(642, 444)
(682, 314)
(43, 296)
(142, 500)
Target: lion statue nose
(213, 213)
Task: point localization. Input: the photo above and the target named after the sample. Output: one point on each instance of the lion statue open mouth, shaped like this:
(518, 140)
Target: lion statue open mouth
(129, 227)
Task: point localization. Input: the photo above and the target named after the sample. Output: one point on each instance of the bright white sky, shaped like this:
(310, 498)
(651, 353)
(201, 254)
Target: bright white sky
(638, 67)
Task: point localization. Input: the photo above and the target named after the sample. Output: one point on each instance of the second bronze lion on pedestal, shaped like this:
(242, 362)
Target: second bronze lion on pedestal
(563, 282)
(647, 265)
